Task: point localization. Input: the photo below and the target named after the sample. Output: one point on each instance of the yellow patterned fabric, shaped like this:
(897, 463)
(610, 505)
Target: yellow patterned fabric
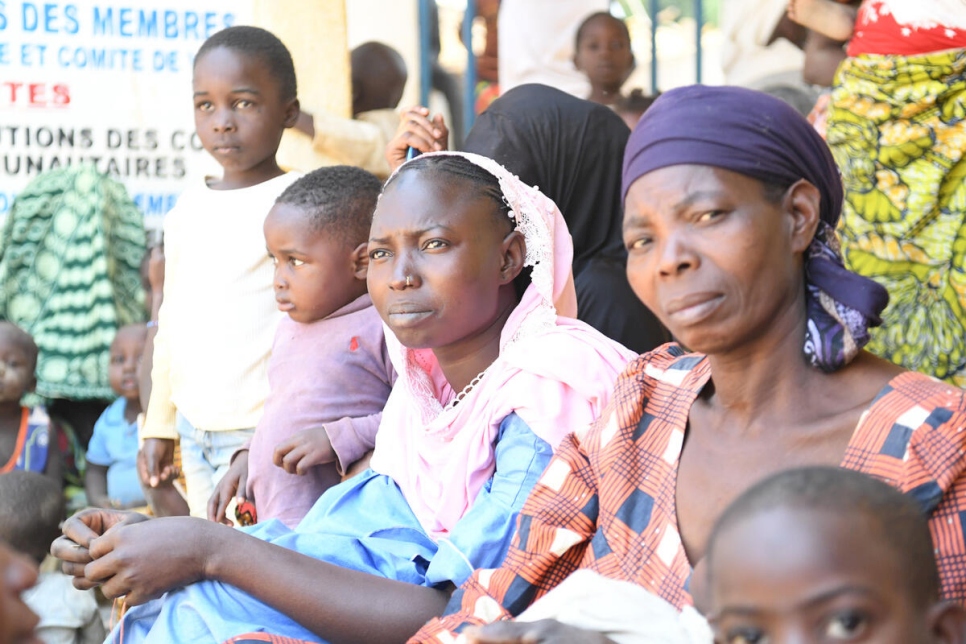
(897, 129)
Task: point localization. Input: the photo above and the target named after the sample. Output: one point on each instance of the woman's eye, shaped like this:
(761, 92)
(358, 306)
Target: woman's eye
(846, 626)
(639, 243)
(433, 244)
(296, 262)
(711, 215)
(378, 254)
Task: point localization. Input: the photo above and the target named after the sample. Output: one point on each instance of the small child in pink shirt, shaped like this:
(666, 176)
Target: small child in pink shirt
(329, 372)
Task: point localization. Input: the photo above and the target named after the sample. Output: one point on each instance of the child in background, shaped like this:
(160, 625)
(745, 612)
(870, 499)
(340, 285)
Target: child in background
(112, 479)
(825, 554)
(25, 437)
(378, 79)
(217, 321)
(31, 509)
(329, 371)
(603, 54)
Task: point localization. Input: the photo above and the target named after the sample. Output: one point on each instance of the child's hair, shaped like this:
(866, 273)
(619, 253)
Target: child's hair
(261, 45)
(899, 520)
(378, 77)
(31, 509)
(637, 102)
(338, 199)
(456, 168)
(594, 16)
(21, 338)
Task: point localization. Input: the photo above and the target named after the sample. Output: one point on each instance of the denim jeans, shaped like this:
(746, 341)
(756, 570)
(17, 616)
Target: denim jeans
(205, 457)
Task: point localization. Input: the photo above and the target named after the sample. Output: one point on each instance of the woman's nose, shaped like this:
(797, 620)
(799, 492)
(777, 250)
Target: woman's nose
(676, 256)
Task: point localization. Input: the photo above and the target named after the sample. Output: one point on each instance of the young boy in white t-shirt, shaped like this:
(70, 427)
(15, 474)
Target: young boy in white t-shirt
(218, 318)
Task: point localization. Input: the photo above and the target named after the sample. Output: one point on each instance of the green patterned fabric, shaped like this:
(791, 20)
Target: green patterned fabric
(897, 129)
(70, 253)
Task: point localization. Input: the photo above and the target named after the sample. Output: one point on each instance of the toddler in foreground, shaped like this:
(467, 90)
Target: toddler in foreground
(825, 554)
(112, 480)
(329, 371)
(31, 509)
(809, 556)
(216, 323)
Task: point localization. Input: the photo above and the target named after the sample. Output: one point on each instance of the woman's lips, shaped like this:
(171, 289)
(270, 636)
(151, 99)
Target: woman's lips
(693, 308)
(403, 316)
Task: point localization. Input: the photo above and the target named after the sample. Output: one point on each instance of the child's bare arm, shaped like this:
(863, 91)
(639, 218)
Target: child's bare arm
(164, 500)
(232, 485)
(826, 17)
(95, 484)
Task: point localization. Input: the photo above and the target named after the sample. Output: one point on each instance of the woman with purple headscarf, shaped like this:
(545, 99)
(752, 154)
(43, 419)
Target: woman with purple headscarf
(731, 201)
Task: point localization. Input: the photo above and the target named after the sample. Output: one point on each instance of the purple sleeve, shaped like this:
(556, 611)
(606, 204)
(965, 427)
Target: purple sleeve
(351, 438)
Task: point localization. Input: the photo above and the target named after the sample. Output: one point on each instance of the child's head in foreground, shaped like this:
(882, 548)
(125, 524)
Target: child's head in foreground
(125, 356)
(31, 510)
(245, 95)
(18, 363)
(824, 554)
(317, 233)
(17, 621)
(602, 51)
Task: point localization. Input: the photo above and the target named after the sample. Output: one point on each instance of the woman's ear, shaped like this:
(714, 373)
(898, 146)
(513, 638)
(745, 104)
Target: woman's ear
(360, 261)
(803, 203)
(514, 250)
(947, 623)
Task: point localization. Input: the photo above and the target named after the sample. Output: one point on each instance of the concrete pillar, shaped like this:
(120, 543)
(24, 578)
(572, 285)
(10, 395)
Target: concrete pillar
(315, 32)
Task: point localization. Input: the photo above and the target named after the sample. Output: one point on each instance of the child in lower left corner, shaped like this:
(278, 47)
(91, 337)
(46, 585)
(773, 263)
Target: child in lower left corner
(112, 479)
(329, 373)
(25, 438)
(31, 510)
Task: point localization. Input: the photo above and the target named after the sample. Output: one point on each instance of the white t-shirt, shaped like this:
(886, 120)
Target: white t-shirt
(67, 615)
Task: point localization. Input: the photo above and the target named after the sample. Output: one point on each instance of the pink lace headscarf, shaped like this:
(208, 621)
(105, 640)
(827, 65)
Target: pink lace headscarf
(554, 372)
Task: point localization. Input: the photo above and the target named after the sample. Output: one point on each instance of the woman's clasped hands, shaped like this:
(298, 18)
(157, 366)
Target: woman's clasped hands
(116, 551)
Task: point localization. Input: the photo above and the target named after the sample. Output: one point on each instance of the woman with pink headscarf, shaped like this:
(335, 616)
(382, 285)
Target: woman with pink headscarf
(470, 271)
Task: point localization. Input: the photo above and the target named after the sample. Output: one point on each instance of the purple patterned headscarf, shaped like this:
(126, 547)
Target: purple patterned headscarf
(763, 138)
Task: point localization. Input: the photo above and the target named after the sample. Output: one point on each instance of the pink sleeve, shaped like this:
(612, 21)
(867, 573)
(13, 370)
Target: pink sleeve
(351, 438)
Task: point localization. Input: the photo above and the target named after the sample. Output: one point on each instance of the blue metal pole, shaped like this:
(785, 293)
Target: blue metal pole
(653, 8)
(699, 21)
(469, 96)
(425, 64)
